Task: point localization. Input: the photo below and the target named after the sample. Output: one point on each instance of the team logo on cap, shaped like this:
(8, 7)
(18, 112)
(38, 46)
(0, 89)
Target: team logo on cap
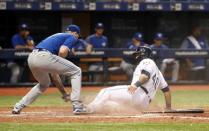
(139, 35)
(160, 35)
(24, 25)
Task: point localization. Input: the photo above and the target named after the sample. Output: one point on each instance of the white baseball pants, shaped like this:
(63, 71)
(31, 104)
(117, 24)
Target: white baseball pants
(119, 95)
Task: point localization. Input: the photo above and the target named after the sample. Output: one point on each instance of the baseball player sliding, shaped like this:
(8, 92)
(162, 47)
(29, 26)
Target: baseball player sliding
(48, 59)
(147, 79)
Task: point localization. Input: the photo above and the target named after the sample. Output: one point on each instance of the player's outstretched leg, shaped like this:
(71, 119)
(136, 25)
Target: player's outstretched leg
(31, 96)
(98, 102)
(117, 95)
(35, 92)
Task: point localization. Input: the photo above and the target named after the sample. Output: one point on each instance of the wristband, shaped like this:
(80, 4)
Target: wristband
(137, 84)
(166, 89)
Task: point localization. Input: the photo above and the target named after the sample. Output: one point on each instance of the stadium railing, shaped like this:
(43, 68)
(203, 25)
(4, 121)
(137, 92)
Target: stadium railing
(104, 56)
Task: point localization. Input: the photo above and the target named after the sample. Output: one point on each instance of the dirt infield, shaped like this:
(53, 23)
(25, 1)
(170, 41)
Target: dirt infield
(63, 114)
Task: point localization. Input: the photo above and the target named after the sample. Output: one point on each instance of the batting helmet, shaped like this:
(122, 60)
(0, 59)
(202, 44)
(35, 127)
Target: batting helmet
(142, 52)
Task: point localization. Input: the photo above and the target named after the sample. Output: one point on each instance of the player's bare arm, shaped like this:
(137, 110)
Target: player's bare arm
(30, 43)
(143, 78)
(167, 95)
(63, 51)
(89, 48)
(23, 47)
(58, 83)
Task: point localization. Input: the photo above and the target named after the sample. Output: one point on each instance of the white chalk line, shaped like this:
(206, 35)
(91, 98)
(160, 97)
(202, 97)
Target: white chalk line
(7, 114)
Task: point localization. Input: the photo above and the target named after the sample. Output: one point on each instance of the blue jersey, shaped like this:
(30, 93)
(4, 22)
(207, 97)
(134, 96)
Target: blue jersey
(130, 45)
(97, 41)
(162, 46)
(160, 55)
(54, 42)
(187, 44)
(18, 40)
(80, 45)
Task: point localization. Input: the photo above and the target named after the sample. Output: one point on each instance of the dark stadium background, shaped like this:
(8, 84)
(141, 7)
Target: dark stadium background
(120, 25)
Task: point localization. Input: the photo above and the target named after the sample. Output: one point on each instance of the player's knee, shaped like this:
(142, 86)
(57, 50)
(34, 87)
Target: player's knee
(78, 71)
(105, 91)
(44, 85)
(40, 88)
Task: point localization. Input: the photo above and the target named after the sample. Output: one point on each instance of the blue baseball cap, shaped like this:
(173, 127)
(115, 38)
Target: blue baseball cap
(74, 28)
(23, 26)
(99, 26)
(138, 36)
(159, 36)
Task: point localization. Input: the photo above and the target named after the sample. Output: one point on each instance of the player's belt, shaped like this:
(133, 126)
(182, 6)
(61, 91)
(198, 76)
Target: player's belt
(40, 49)
(144, 89)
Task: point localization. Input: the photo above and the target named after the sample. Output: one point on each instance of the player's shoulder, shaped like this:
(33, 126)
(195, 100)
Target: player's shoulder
(91, 36)
(16, 36)
(68, 36)
(147, 63)
(130, 46)
(29, 37)
(58, 35)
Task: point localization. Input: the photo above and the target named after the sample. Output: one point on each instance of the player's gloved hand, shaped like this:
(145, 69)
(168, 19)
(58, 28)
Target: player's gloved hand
(132, 89)
(66, 97)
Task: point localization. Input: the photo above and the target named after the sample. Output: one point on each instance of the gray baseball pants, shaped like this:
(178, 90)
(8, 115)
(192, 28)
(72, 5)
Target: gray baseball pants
(43, 63)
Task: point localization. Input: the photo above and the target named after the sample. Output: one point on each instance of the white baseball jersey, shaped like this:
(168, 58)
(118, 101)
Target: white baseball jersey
(118, 95)
(156, 79)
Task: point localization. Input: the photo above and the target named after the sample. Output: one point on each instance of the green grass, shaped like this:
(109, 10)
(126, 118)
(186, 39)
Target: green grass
(186, 98)
(103, 127)
(181, 98)
(44, 100)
